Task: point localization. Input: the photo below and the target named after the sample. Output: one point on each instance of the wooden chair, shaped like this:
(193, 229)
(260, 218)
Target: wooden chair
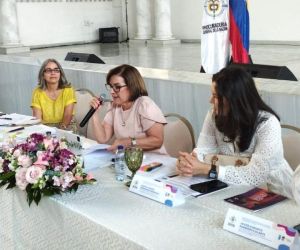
(291, 144)
(178, 135)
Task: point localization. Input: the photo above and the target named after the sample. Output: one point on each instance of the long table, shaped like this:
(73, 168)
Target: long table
(107, 216)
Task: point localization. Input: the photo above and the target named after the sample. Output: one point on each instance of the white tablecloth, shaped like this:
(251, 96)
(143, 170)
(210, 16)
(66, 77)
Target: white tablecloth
(107, 216)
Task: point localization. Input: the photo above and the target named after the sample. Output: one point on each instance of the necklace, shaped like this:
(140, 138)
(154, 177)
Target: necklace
(125, 115)
(122, 117)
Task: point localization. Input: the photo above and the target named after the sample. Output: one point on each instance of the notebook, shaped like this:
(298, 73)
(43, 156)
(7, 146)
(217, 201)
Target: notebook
(255, 199)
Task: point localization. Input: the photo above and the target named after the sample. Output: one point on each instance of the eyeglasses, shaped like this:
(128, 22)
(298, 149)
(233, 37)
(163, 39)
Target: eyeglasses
(116, 88)
(49, 71)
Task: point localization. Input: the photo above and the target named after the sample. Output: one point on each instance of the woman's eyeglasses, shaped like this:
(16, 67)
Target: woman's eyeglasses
(49, 71)
(116, 88)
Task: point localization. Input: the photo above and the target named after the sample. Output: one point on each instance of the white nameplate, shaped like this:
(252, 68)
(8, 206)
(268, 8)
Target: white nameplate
(263, 231)
(156, 190)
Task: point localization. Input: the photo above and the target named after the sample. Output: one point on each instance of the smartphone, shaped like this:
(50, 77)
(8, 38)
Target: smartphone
(151, 166)
(297, 227)
(208, 186)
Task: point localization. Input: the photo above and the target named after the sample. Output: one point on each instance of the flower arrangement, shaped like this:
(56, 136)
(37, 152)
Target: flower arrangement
(42, 166)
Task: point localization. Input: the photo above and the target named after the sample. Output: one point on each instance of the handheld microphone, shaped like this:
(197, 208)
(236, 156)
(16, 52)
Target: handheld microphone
(89, 114)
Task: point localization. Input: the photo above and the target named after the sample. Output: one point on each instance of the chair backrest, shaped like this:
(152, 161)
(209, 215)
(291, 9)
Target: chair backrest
(291, 145)
(178, 135)
(83, 97)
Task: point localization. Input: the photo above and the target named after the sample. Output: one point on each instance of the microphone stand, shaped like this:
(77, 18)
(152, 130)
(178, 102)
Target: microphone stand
(126, 20)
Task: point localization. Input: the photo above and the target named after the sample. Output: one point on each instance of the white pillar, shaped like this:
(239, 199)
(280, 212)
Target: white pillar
(162, 14)
(9, 31)
(143, 20)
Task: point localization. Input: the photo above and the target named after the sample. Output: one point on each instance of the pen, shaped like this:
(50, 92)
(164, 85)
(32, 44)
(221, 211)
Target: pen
(171, 176)
(15, 130)
(154, 167)
(5, 118)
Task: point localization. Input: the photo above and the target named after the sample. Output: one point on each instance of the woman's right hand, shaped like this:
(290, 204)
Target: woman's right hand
(95, 102)
(189, 165)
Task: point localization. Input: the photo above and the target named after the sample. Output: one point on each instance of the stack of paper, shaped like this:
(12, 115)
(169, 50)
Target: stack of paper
(17, 119)
(97, 157)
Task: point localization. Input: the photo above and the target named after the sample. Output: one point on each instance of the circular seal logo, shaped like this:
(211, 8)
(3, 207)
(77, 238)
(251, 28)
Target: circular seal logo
(214, 8)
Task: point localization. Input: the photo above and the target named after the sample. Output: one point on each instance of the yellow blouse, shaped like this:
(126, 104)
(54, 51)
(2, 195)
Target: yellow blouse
(52, 110)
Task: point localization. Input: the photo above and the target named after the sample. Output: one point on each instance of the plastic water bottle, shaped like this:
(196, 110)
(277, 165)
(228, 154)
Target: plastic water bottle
(120, 163)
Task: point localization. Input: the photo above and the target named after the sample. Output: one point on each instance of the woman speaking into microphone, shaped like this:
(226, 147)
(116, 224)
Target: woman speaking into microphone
(133, 117)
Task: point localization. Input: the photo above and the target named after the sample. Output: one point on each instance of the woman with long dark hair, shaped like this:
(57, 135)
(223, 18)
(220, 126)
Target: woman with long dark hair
(240, 124)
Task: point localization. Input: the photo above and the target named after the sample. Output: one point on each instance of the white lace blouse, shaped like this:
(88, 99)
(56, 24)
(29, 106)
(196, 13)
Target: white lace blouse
(296, 185)
(267, 164)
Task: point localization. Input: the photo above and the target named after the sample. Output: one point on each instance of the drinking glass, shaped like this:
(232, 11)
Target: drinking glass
(133, 158)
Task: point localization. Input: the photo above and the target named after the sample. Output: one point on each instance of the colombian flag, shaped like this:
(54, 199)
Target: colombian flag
(239, 30)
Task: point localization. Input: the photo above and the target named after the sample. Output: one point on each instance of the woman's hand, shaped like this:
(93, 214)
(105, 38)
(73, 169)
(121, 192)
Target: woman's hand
(95, 102)
(126, 142)
(189, 165)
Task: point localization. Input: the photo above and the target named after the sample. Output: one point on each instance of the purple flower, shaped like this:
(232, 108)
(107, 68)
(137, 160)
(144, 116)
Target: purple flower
(65, 153)
(37, 138)
(5, 166)
(66, 179)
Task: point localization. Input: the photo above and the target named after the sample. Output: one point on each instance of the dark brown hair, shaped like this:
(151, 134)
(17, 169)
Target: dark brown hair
(237, 87)
(133, 79)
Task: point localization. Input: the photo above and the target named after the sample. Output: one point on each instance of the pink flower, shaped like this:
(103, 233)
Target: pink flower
(56, 181)
(17, 153)
(58, 168)
(6, 148)
(24, 161)
(40, 159)
(78, 178)
(43, 167)
(49, 143)
(89, 177)
(66, 179)
(71, 162)
(33, 174)
(21, 178)
(1, 164)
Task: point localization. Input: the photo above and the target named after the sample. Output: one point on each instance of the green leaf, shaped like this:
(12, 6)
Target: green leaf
(7, 175)
(29, 194)
(37, 196)
(11, 184)
(51, 190)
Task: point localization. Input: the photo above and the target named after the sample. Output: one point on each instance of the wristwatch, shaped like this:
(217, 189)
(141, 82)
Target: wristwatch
(213, 174)
(133, 142)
